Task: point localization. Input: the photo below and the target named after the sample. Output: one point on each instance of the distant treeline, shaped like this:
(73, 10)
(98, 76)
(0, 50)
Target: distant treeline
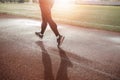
(99, 2)
(19, 1)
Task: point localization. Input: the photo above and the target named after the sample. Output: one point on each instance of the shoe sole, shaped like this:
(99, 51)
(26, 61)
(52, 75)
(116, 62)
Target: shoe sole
(61, 41)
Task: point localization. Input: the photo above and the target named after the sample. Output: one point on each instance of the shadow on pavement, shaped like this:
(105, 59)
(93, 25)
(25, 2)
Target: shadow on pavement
(64, 64)
(48, 74)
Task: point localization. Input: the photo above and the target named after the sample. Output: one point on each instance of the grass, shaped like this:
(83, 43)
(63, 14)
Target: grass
(91, 16)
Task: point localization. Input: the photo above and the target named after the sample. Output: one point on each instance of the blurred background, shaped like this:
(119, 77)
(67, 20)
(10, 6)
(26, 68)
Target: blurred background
(103, 2)
(100, 14)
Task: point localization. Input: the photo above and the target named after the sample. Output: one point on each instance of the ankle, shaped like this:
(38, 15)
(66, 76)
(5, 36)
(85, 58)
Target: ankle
(41, 34)
(58, 36)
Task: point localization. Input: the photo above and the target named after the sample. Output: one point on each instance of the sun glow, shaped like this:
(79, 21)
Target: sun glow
(64, 4)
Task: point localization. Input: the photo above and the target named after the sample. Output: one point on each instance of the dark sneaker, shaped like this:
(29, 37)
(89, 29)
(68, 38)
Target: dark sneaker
(60, 40)
(39, 34)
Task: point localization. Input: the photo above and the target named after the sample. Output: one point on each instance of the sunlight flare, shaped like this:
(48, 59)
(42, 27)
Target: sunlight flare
(64, 4)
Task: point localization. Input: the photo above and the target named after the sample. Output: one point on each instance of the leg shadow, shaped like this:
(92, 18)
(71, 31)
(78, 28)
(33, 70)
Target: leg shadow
(48, 74)
(64, 64)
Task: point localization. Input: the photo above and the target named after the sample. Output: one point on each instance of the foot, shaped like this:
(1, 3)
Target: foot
(60, 40)
(39, 34)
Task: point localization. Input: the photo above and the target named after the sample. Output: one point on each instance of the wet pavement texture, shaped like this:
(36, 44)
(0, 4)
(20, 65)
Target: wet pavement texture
(86, 54)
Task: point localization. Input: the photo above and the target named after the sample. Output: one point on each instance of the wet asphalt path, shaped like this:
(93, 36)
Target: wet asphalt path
(86, 54)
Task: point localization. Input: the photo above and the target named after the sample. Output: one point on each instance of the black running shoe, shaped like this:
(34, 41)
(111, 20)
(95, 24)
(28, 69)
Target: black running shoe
(39, 34)
(60, 40)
